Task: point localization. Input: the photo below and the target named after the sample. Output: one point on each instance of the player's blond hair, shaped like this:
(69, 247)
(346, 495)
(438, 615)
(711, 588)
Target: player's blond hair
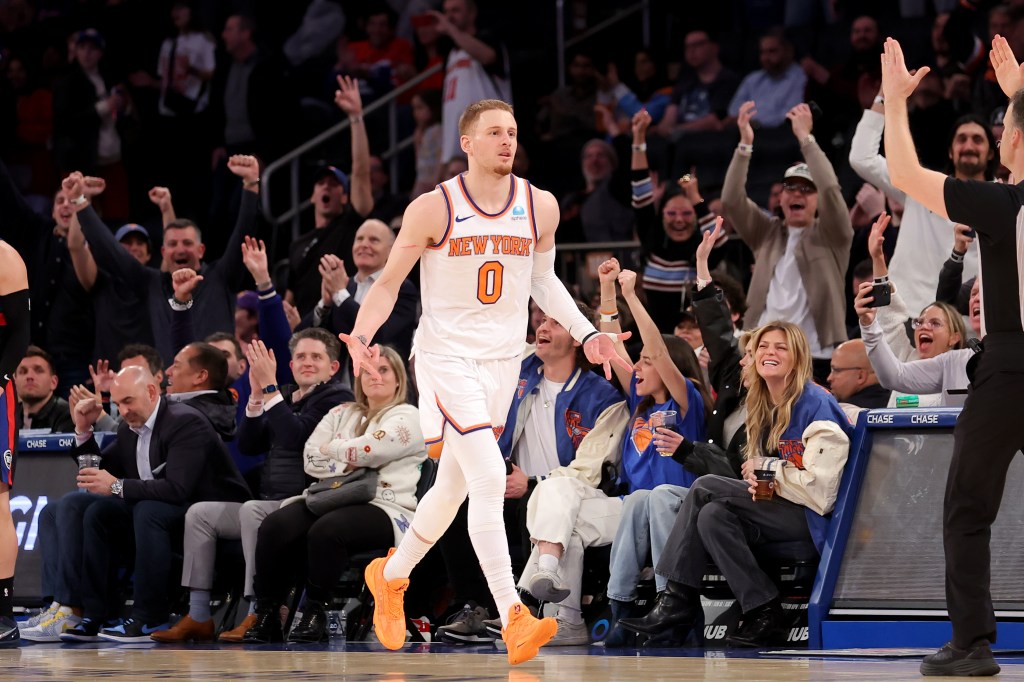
(473, 111)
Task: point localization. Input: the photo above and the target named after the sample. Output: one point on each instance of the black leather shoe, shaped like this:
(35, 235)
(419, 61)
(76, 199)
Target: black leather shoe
(761, 627)
(312, 627)
(974, 662)
(678, 607)
(267, 628)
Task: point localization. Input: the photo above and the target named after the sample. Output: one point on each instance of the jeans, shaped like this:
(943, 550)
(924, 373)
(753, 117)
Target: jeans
(647, 520)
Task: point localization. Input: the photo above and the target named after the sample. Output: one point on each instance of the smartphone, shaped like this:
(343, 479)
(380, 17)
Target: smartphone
(881, 295)
(423, 20)
(972, 233)
(816, 113)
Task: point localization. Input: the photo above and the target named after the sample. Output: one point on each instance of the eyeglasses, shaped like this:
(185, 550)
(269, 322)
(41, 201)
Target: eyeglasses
(932, 323)
(837, 370)
(799, 188)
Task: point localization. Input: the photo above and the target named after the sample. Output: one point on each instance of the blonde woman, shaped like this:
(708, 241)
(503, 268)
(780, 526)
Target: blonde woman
(794, 428)
(380, 430)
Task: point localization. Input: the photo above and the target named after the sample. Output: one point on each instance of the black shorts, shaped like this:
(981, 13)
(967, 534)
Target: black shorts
(8, 433)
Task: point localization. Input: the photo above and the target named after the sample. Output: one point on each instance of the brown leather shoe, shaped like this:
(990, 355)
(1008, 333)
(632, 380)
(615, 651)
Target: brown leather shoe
(186, 630)
(238, 633)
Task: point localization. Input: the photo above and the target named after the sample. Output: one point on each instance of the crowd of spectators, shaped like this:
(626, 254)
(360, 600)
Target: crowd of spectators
(728, 180)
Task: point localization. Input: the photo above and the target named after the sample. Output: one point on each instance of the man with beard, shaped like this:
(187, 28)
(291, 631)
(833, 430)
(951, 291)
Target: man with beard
(62, 317)
(809, 245)
(923, 245)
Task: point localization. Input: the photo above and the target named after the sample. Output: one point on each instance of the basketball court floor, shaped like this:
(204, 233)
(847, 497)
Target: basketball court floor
(428, 662)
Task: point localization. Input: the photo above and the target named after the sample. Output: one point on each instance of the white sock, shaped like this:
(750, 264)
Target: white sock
(570, 616)
(548, 562)
(410, 552)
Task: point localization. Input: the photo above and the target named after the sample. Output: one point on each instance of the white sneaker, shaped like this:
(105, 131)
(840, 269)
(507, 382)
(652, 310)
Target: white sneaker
(570, 634)
(50, 631)
(548, 586)
(41, 617)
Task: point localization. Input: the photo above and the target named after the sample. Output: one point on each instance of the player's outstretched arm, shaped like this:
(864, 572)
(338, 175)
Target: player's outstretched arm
(554, 299)
(15, 306)
(422, 225)
(905, 169)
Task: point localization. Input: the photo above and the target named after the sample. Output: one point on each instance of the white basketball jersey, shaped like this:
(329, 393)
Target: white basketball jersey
(475, 282)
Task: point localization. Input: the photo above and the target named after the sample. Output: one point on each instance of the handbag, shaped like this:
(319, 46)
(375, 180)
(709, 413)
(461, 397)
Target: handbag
(358, 487)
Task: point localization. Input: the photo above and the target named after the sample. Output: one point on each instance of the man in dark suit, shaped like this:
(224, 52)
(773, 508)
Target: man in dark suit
(166, 457)
(341, 296)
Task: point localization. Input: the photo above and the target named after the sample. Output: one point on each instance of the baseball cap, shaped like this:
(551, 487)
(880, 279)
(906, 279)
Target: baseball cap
(91, 35)
(801, 171)
(130, 228)
(248, 300)
(334, 172)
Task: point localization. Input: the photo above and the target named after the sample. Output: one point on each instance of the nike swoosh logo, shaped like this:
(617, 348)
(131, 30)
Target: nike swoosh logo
(459, 219)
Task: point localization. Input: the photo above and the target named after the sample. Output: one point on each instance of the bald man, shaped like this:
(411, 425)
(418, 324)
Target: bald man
(341, 296)
(166, 457)
(852, 380)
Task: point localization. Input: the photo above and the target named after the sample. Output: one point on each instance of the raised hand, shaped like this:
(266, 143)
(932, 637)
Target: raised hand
(861, 302)
(870, 199)
(291, 313)
(600, 350)
(641, 122)
(254, 256)
(897, 81)
(627, 282)
(364, 356)
(92, 187)
(102, 376)
(877, 238)
(444, 25)
(747, 112)
(87, 411)
(161, 196)
(262, 363)
(74, 187)
(609, 270)
(334, 277)
(184, 282)
(1009, 74)
(245, 167)
(963, 237)
(707, 243)
(802, 120)
(347, 96)
(688, 183)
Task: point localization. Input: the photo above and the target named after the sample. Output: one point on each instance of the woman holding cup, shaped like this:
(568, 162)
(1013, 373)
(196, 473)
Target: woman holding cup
(798, 435)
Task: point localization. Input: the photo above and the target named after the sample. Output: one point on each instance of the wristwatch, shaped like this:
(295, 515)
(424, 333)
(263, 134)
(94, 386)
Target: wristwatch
(79, 200)
(272, 388)
(117, 487)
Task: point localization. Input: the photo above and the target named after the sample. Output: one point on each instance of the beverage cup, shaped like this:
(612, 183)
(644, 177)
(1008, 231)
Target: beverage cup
(665, 419)
(88, 462)
(765, 484)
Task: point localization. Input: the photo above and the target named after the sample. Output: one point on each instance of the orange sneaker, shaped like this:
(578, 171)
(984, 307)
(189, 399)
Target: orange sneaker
(525, 635)
(388, 603)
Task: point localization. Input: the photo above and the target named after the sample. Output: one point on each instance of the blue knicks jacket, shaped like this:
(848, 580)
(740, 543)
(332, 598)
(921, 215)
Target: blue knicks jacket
(583, 398)
(813, 452)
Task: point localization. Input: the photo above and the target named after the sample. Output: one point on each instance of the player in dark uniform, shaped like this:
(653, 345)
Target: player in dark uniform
(985, 441)
(14, 334)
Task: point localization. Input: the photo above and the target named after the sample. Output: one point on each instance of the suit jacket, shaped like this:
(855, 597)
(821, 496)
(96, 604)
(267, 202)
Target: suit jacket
(188, 459)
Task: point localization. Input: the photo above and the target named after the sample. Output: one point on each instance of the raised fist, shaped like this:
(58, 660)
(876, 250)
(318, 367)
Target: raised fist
(245, 167)
(161, 196)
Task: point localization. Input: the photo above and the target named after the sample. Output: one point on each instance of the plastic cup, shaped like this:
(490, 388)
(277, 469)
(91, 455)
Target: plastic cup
(665, 419)
(765, 484)
(88, 462)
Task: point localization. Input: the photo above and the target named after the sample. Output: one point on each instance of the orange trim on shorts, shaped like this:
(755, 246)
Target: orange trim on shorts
(451, 218)
(455, 425)
(479, 211)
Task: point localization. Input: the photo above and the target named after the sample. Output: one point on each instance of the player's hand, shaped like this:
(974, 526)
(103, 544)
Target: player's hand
(364, 356)
(600, 350)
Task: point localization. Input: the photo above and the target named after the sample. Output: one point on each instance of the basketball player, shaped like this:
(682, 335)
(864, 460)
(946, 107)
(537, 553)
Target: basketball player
(486, 239)
(14, 332)
(984, 440)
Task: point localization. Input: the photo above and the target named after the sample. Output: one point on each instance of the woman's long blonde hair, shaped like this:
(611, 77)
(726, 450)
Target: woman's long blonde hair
(401, 391)
(766, 421)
